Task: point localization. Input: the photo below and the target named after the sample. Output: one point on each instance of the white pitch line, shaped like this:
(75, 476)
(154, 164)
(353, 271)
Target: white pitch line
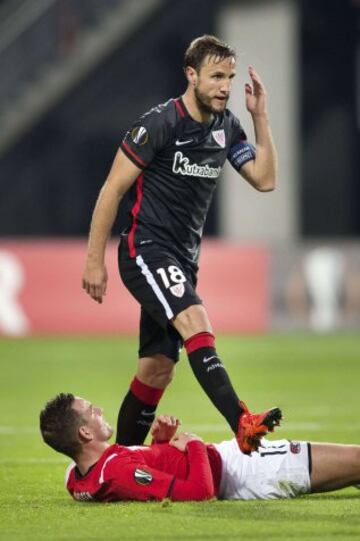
(218, 427)
(16, 430)
(285, 425)
(204, 427)
(34, 460)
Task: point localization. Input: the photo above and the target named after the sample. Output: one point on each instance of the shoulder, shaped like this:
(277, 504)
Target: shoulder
(119, 454)
(70, 470)
(231, 119)
(234, 127)
(153, 129)
(162, 114)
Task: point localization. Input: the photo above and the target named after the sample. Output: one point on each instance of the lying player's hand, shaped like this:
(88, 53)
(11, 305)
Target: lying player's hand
(181, 440)
(94, 281)
(164, 428)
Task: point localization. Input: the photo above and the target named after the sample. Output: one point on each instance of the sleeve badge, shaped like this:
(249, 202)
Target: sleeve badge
(140, 136)
(142, 477)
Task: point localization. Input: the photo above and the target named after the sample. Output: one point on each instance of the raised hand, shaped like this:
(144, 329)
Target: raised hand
(164, 428)
(255, 94)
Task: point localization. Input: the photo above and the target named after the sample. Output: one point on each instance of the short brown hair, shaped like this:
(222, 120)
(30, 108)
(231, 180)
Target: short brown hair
(59, 422)
(205, 46)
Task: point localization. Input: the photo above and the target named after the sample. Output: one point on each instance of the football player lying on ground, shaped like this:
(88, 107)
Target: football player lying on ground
(181, 466)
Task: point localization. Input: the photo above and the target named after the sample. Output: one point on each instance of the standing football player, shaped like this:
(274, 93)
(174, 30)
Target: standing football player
(170, 161)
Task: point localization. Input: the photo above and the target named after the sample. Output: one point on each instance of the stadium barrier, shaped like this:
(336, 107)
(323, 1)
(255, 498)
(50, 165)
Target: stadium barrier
(41, 293)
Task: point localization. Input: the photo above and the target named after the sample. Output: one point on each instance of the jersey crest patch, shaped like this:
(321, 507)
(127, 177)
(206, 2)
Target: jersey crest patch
(295, 447)
(142, 477)
(140, 136)
(219, 136)
(178, 290)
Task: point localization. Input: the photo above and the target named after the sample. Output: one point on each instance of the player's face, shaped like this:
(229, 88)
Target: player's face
(93, 418)
(213, 84)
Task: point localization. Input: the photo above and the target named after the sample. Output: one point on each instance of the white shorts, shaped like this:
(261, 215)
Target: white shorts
(280, 469)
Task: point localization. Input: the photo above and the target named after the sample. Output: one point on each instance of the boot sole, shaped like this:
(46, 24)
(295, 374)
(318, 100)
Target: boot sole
(272, 419)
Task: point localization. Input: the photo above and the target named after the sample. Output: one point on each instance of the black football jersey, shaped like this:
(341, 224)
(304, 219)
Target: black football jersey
(181, 160)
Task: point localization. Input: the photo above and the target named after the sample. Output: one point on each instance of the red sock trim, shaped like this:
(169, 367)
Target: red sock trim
(145, 393)
(199, 340)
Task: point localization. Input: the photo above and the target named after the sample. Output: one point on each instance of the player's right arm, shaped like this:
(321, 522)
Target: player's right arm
(199, 484)
(129, 479)
(122, 175)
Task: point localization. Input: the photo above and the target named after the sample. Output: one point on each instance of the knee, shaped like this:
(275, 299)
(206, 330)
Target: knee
(157, 371)
(354, 464)
(355, 454)
(163, 376)
(191, 321)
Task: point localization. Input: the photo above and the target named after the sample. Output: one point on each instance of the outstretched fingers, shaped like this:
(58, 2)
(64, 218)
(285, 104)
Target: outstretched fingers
(248, 89)
(258, 85)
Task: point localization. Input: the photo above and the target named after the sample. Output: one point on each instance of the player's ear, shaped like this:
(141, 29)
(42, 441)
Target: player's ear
(85, 434)
(191, 75)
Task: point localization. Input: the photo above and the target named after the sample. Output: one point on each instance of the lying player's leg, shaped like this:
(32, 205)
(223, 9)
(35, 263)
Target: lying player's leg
(194, 326)
(287, 469)
(334, 466)
(280, 469)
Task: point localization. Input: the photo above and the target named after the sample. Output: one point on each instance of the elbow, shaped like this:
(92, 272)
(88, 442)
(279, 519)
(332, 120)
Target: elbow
(202, 495)
(197, 492)
(267, 184)
(208, 493)
(205, 491)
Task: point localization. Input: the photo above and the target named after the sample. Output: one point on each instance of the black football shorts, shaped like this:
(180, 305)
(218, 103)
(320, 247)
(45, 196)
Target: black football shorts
(163, 287)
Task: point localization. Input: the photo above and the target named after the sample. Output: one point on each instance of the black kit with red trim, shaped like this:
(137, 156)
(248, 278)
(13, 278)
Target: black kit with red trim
(180, 161)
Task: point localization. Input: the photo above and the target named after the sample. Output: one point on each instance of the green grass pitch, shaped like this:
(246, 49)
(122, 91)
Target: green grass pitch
(314, 379)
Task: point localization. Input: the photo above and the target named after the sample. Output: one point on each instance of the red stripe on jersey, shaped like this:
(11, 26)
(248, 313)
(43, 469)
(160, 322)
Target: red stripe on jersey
(136, 158)
(145, 393)
(135, 212)
(200, 340)
(179, 108)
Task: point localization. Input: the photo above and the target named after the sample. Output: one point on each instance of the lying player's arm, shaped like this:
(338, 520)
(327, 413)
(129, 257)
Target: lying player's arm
(199, 484)
(261, 172)
(128, 480)
(122, 175)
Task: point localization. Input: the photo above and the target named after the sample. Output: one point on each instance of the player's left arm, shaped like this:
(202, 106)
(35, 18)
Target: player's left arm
(260, 172)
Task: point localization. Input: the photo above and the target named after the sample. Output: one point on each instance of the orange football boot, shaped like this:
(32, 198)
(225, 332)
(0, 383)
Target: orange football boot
(254, 426)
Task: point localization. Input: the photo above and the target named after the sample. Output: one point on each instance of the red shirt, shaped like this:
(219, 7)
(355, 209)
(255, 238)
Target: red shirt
(149, 473)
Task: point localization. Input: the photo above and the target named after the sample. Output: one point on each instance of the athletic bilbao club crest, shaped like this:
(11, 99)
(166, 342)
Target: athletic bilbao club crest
(178, 290)
(295, 447)
(219, 136)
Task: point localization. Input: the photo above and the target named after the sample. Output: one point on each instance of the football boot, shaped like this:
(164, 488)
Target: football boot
(254, 426)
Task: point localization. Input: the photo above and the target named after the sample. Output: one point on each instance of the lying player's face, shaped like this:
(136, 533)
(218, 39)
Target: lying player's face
(213, 85)
(93, 418)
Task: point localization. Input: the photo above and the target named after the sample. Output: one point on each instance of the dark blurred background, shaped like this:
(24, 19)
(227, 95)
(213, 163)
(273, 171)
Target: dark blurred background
(72, 83)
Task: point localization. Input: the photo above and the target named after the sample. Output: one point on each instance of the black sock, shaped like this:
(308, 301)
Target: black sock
(137, 412)
(212, 376)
